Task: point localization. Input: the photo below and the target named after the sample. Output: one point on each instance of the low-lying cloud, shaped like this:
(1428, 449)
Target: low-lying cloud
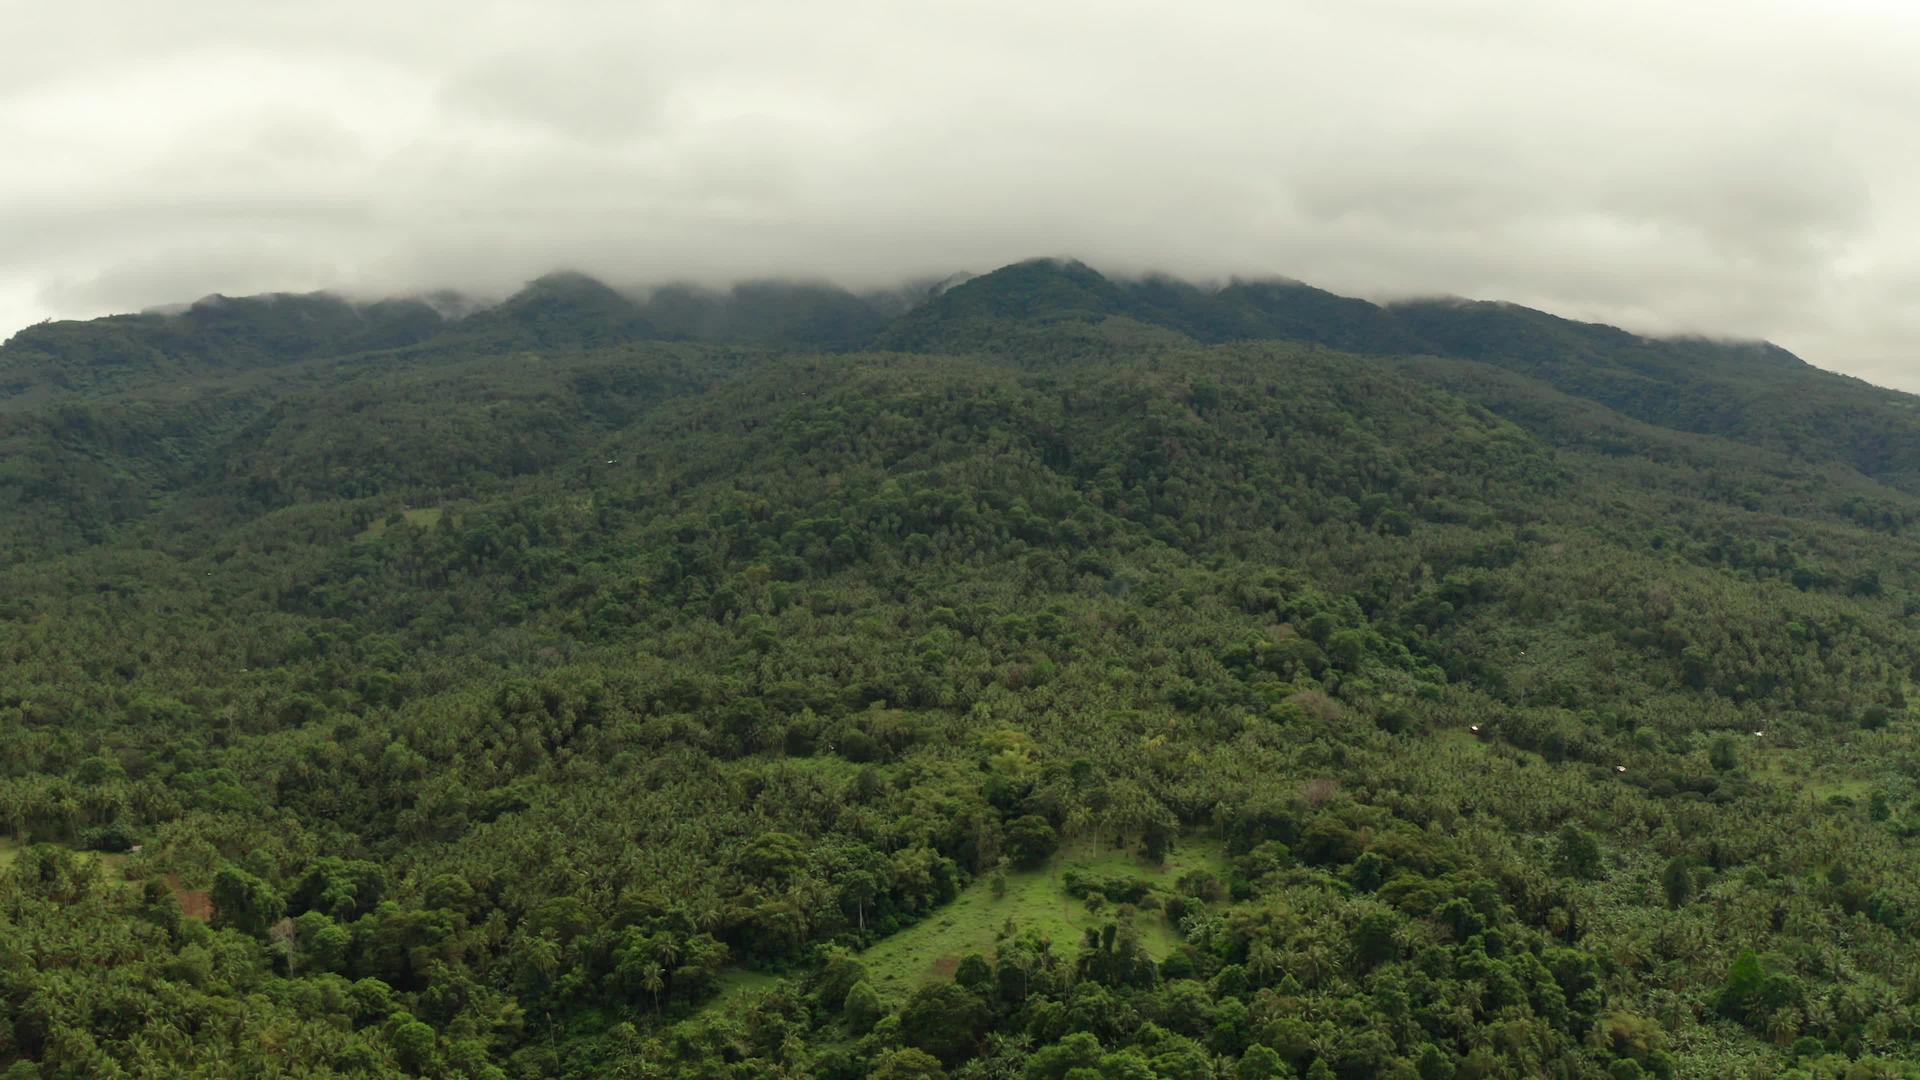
(1724, 169)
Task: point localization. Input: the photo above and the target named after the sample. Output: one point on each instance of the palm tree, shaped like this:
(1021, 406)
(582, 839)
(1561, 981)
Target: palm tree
(1820, 1017)
(1024, 962)
(1783, 1024)
(707, 911)
(1263, 963)
(1317, 962)
(653, 980)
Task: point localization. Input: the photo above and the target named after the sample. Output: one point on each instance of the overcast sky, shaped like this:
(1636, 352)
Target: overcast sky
(1744, 169)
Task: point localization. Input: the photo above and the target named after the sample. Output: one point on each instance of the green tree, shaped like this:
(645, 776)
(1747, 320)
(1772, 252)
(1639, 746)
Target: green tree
(944, 1020)
(1373, 939)
(244, 902)
(1676, 880)
(862, 1007)
(1261, 1063)
(907, 1064)
(1031, 840)
(1723, 754)
(413, 1046)
(1577, 852)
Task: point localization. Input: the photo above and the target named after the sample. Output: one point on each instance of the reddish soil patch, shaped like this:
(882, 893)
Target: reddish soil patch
(194, 903)
(944, 967)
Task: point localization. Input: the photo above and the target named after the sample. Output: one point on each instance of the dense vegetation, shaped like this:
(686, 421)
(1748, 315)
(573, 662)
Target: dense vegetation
(1066, 678)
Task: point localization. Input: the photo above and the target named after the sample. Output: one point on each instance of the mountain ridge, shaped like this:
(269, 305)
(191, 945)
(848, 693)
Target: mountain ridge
(1152, 297)
(1754, 392)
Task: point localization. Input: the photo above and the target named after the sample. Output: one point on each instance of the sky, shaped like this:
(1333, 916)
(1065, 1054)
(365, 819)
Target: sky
(1734, 169)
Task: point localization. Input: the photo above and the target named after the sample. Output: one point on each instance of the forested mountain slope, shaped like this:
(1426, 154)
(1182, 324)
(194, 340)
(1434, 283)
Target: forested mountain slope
(518, 694)
(1753, 393)
(1750, 392)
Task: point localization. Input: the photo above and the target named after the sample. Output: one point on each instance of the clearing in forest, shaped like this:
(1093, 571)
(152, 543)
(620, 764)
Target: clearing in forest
(1035, 900)
(421, 518)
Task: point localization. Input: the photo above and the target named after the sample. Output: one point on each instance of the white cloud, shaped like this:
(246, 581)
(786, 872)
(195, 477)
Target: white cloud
(1724, 168)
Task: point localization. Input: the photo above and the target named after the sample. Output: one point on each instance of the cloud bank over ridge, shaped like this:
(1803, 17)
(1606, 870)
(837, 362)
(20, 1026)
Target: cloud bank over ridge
(1712, 168)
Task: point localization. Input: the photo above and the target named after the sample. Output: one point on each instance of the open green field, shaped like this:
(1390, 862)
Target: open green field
(737, 986)
(112, 867)
(424, 518)
(1036, 900)
(1459, 741)
(1781, 767)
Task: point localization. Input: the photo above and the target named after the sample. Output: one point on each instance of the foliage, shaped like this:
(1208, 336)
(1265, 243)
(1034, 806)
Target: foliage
(519, 695)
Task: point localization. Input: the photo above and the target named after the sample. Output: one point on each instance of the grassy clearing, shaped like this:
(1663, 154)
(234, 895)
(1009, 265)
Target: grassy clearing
(1460, 740)
(1034, 900)
(424, 518)
(1786, 768)
(739, 985)
(1857, 790)
(112, 867)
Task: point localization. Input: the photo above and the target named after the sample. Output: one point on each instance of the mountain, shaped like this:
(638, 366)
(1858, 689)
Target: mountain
(1273, 310)
(217, 333)
(1071, 676)
(1751, 392)
(1039, 292)
(769, 313)
(562, 310)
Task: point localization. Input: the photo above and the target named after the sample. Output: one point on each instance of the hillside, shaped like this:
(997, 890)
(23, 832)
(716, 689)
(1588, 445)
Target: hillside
(1066, 676)
(1039, 311)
